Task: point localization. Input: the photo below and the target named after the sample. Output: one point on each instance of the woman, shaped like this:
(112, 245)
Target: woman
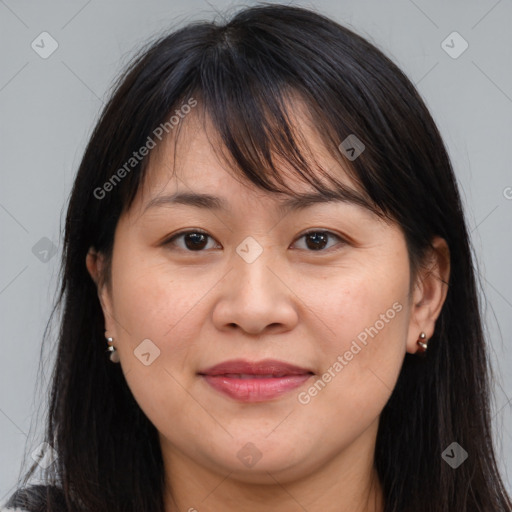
(266, 232)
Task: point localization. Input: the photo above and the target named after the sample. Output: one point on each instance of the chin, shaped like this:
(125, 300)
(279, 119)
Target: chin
(257, 462)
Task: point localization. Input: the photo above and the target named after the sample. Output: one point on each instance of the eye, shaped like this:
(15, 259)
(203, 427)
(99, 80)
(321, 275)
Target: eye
(196, 240)
(317, 240)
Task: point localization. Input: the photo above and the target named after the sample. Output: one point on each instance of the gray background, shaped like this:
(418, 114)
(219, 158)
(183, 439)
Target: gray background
(49, 106)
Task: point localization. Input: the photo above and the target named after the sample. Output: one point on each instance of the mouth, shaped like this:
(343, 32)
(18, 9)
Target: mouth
(257, 381)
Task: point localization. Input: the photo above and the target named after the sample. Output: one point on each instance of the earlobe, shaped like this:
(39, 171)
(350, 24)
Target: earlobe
(430, 292)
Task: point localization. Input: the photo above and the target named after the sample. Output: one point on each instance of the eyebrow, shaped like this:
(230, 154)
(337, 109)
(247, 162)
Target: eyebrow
(300, 201)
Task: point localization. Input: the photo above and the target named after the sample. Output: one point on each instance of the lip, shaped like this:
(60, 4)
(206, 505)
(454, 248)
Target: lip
(256, 381)
(265, 367)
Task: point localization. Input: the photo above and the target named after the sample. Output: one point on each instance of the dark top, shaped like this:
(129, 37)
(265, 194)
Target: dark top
(34, 499)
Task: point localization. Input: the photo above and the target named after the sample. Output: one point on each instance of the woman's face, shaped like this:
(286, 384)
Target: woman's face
(333, 304)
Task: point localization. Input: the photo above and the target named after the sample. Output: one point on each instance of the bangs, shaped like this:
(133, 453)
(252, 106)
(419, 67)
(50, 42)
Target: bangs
(259, 133)
(263, 119)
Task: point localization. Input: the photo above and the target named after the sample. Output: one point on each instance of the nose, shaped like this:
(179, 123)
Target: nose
(256, 297)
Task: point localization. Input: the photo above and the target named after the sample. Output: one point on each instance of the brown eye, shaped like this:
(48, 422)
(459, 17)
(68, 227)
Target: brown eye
(194, 241)
(318, 240)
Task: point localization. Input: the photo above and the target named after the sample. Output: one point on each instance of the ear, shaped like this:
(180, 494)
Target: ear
(429, 293)
(95, 263)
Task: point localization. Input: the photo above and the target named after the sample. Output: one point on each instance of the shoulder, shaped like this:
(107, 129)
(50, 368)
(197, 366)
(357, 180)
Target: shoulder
(34, 499)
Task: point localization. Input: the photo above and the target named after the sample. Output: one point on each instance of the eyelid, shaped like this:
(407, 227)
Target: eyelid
(169, 239)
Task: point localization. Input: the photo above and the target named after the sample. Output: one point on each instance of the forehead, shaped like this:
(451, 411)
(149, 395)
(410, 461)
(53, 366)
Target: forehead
(190, 158)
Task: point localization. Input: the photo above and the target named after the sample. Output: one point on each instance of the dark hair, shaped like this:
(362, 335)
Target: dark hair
(245, 75)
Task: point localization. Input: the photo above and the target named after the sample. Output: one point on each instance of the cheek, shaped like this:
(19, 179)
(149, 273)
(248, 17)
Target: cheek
(156, 302)
(151, 303)
(364, 304)
(362, 356)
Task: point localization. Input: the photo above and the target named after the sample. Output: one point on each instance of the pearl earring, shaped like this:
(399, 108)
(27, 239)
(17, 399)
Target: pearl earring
(114, 355)
(423, 342)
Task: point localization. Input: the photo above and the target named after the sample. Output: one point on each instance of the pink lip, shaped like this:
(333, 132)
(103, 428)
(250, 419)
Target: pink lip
(255, 381)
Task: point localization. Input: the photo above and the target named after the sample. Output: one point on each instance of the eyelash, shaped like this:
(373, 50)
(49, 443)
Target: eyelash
(170, 241)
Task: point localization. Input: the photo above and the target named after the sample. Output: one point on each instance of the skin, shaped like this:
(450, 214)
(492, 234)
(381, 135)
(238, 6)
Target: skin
(292, 303)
